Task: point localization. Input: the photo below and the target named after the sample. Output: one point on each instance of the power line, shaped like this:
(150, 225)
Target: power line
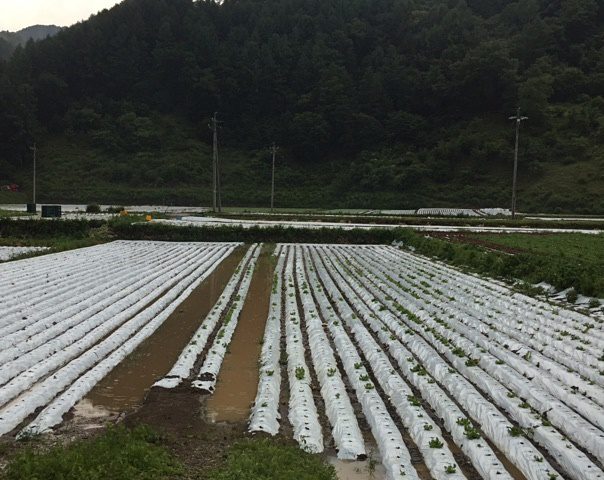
(518, 118)
(35, 150)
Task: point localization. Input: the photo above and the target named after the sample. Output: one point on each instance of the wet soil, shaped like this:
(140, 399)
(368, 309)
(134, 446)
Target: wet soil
(128, 383)
(238, 379)
(179, 416)
(370, 468)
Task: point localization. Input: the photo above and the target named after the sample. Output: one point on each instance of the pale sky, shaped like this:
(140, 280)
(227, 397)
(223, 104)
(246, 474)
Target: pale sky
(18, 14)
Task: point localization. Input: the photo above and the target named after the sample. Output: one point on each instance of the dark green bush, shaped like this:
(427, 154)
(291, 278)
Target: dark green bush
(93, 208)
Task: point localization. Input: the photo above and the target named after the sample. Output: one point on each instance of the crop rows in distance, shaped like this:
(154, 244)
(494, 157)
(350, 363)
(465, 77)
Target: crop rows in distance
(69, 318)
(481, 381)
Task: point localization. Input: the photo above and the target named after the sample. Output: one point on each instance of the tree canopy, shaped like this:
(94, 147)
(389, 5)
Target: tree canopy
(415, 80)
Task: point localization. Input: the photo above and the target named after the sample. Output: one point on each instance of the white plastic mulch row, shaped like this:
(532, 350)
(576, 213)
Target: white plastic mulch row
(208, 373)
(59, 375)
(94, 298)
(302, 414)
(424, 432)
(560, 381)
(422, 429)
(32, 364)
(396, 458)
(492, 423)
(541, 315)
(551, 335)
(6, 253)
(443, 338)
(186, 361)
(265, 411)
(584, 433)
(345, 428)
(454, 419)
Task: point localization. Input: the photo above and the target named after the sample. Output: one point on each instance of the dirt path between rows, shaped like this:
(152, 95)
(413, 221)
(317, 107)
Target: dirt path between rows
(238, 380)
(128, 383)
(182, 414)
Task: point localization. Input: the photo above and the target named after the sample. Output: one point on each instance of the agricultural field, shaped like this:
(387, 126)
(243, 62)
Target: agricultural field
(70, 318)
(359, 354)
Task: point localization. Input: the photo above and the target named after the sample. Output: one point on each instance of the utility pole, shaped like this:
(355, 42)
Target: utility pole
(518, 119)
(35, 150)
(273, 149)
(216, 197)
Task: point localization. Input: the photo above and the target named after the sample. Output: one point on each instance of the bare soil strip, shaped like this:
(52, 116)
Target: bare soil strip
(128, 383)
(238, 380)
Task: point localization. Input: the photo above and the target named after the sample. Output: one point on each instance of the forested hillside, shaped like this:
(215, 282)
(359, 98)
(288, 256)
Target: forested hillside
(375, 103)
(9, 41)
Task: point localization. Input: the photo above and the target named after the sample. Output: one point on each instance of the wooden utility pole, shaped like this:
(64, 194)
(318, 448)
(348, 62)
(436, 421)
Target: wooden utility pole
(216, 195)
(518, 119)
(273, 149)
(35, 150)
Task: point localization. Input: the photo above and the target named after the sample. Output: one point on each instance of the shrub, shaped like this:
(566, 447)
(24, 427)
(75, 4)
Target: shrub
(571, 295)
(93, 208)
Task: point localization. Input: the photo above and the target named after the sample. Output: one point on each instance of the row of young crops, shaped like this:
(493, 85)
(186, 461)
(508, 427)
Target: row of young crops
(68, 319)
(480, 381)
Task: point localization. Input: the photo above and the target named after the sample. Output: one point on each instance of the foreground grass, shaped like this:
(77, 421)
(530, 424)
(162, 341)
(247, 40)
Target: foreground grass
(140, 454)
(267, 460)
(116, 454)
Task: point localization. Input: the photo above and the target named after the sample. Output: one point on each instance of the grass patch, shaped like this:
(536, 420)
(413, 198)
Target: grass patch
(266, 460)
(9, 213)
(58, 235)
(555, 259)
(575, 247)
(565, 260)
(116, 454)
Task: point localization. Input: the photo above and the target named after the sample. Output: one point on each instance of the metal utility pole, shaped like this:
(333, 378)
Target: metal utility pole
(273, 149)
(216, 197)
(35, 150)
(518, 118)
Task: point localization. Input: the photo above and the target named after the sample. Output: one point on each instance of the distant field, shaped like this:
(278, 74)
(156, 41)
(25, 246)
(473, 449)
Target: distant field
(584, 249)
(564, 260)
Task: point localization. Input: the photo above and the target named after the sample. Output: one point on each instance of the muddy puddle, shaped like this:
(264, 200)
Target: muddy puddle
(369, 469)
(238, 380)
(126, 386)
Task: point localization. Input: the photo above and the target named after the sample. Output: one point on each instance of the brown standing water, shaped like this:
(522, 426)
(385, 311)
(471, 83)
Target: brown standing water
(238, 380)
(127, 384)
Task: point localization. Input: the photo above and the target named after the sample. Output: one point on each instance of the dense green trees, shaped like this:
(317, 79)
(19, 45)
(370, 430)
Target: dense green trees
(433, 79)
